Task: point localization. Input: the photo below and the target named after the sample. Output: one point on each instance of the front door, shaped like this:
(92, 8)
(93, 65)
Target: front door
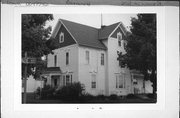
(55, 80)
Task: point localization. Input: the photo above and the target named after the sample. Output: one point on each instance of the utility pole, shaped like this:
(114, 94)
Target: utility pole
(25, 78)
(27, 60)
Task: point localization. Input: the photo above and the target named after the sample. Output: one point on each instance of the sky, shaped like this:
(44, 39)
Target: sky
(93, 20)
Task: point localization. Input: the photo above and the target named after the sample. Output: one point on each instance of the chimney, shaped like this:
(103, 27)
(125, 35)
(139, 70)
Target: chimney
(102, 26)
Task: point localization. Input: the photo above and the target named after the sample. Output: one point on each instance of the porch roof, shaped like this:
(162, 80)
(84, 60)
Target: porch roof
(52, 70)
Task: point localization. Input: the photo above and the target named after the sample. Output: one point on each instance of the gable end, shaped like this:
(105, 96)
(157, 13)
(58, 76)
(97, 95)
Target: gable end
(68, 39)
(118, 29)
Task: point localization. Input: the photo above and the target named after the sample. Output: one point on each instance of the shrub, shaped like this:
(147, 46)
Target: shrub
(130, 96)
(100, 97)
(150, 95)
(70, 92)
(46, 92)
(113, 97)
(86, 97)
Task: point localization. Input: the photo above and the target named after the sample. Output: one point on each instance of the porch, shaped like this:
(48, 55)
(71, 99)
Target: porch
(54, 77)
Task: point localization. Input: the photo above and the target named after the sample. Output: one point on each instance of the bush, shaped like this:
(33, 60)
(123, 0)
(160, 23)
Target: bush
(70, 92)
(100, 97)
(86, 97)
(113, 97)
(130, 96)
(150, 95)
(46, 92)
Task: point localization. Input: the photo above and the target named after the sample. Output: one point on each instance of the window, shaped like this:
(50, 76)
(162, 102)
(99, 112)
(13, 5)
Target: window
(120, 81)
(135, 78)
(71, 79)
(87, 57)
(64, 79)
(135, 81)
(67, 79)
(67, 58)
(93, 82)
(61, 37)
(102, 59)
(55, 60)
(119, 37)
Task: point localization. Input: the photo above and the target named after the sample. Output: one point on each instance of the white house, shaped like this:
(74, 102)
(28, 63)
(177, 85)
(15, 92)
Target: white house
(89, 55)
(32, 84)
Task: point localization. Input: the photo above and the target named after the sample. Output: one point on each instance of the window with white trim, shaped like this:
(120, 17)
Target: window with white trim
(67, 79)
(102, 58)
(93, 81)
(55, 60)
(61, 37)
(87, 56)
(67, 58)
(119, 37)
(120, 81)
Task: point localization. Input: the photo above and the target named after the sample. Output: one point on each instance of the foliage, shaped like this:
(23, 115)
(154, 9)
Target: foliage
(34, 38)
(131, 96)
(70, 92)
(141, 47)
(100, 97)
(47, 92)
(113, 97)
(152, 95)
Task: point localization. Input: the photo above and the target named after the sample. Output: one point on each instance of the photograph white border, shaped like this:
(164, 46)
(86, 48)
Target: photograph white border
(90, 10)
(11, 106)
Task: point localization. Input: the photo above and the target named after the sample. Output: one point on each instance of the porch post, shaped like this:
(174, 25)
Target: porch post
(50, 79)
(132, 85)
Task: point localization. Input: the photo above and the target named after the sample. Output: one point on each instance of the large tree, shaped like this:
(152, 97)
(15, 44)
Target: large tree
(34, 38)
(141, 47)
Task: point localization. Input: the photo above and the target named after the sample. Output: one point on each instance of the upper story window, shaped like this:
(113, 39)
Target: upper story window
(61, 37)
(55, 60)
(67, 58)
(119, 37)
(102, 59)
(87, 57)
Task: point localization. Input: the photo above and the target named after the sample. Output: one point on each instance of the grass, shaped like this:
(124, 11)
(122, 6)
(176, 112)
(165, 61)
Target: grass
(31, 100)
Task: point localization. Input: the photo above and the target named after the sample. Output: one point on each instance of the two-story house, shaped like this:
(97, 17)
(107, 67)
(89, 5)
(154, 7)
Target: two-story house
(89, 55)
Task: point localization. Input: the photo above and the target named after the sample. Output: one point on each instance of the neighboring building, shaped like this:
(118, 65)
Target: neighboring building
(32, 84)
(89, 55)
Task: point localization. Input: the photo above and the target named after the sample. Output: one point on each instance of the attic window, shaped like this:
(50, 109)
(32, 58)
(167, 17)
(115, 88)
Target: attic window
(119, 37)
(61, 37)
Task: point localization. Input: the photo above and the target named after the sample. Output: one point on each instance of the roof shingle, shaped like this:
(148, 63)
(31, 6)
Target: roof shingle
(107, 30)
(88, 36)
(84, 35)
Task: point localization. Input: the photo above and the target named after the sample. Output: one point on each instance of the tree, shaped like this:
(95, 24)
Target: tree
(141, 47)
(34, 38)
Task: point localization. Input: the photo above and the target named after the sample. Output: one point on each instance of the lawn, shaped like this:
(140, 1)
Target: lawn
(106, 100)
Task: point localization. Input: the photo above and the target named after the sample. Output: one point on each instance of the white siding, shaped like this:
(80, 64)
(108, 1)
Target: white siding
(61, 60)
(94, 67)
(113, 67)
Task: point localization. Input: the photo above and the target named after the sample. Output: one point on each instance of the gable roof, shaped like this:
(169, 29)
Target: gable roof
(52, 70)
(105, 31)
(86, 35)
